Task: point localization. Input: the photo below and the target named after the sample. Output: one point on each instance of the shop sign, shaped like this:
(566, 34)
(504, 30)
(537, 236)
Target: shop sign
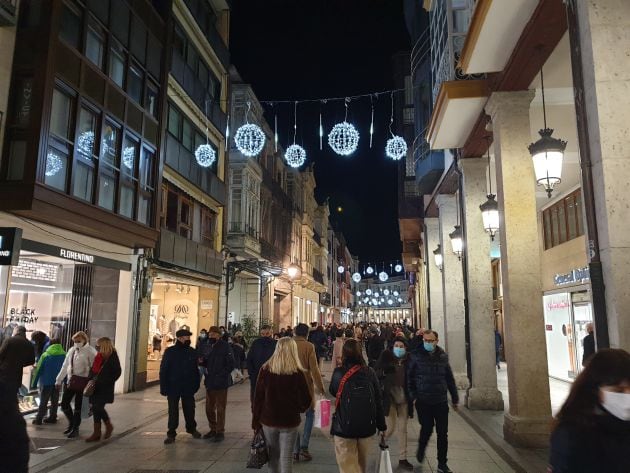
(76, 256)
(579, 275)
(207, 304)
(22, 315)
(325, 298)
(10, 243)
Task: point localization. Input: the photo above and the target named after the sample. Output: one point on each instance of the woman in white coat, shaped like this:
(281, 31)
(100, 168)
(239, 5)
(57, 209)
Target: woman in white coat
(75, 370)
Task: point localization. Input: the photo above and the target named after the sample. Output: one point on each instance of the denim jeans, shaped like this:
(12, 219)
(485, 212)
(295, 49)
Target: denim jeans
(306, 435)
(279, 441)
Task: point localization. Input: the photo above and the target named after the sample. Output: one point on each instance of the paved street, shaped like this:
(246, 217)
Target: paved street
(137, 444)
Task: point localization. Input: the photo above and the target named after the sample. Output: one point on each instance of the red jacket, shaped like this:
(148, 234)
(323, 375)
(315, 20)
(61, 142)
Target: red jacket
(280, 399)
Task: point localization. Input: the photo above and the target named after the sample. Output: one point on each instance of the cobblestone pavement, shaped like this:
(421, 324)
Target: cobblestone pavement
(140, 425)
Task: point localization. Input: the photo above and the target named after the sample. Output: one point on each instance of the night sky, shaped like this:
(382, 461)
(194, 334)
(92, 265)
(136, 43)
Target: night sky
(299, 49)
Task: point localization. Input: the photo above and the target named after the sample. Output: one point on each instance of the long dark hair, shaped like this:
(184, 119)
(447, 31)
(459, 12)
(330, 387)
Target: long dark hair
(607, 367)
(351, 353)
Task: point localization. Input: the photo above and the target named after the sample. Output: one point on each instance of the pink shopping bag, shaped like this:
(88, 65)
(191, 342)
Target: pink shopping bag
(322, 413)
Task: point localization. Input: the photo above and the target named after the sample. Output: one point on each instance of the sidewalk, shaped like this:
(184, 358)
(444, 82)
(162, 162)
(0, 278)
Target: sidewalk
(140, 422)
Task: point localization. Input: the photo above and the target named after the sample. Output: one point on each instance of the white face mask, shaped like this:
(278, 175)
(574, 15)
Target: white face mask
(617, 404)
(78, 344)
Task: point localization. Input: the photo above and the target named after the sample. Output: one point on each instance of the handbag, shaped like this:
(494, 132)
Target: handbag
(322, 413)
(258, 453)
(90, 386)
(385, 462)
(76, 383)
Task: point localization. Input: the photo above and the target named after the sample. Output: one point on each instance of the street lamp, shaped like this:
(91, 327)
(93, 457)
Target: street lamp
(457, 241)
(293, 271)
(439, 259)
(490, 215)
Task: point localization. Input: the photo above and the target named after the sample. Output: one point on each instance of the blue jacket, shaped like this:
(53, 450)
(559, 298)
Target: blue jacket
(49, 365)
(429, 377)
(260, 351)
(179, 374)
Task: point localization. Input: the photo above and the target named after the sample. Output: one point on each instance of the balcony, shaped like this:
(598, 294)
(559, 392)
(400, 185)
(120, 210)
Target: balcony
(243, 238)
(198, 92)
(317, 238)
(8, 12)
(184, 253)
(206, 25)
(270, 252)
(318, 276)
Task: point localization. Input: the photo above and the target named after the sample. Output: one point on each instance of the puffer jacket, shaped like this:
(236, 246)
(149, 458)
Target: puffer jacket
(49, 365)
(429, 377)
(78, 361)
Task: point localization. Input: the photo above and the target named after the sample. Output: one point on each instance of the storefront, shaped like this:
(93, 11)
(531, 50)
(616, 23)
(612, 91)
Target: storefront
(177, 303)
(59, 291)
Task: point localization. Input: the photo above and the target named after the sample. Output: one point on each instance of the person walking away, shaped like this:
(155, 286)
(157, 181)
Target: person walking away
(78, 362)
(308, 359)
(429, 377)
(239, 358)
(179, 379)
(16, 353)
(105, 371)
(359, 409)
(498, 341)
(219, 365)
(338, 345)
(591, 433)
(588, 343)
(261, 350)
(375, 347)
(318, 338)
(281, 395)
(397, 405)
(45, 377)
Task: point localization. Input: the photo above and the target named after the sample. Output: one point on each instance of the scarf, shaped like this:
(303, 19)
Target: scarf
(98, 363)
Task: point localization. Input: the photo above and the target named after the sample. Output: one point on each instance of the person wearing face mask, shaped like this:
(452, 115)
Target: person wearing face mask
(219, 363)
(591, 433)
(397, 406)
(203, 349)
(429, 378)
(179, 379)
(75, 370)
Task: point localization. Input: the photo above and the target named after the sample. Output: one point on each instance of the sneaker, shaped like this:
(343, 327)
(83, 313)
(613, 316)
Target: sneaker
(50, 420)
(74, 433)
(405, 465)
(305, 455)
(210, 435)
(169, 440)
(195, 434)
(68, 430)
(218, 438)
(444, 469)
(37, 421)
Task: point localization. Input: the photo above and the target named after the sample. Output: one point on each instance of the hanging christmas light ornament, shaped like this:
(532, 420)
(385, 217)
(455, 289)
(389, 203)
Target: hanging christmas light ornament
(383, 276)
(249, 138)
(368, 291)
(129, 154)
(398, 268)
(321, 128)
(358, 293)
(53, 164)
(386, 292)
(369, 269)
(396, 146)
(376, 294)
(85, 144)
(395, 293)
(295, 154)
(340, 269)
(205, 154)
(344, 137)
(227, 130)
(372, 122)
(356, 277)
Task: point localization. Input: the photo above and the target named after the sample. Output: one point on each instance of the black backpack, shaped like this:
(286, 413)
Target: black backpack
(355, 416)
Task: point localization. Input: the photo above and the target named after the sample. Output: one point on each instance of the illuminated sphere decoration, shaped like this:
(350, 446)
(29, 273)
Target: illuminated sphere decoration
(370, 270)
(396, 148)
(85, 144)
(386, 292)
(368, 292)
(395, 293)
(358, 293)
(344, 139)
(128, 157)
(390, 302)
(356, 277)
(398, 268)
(295, 156)
(376, 294)
(383, 276)
(205, 155)
(340, 269)
(249, 139)
(53, 164)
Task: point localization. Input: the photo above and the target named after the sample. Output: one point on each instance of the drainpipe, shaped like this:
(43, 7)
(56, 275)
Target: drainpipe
(460, 179)
(427, 262)
(586, 165)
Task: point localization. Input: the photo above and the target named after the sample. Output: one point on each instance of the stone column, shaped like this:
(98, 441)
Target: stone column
(527, 422)
(604, 39)
(435, 296)
(483, 394)
(453, 339)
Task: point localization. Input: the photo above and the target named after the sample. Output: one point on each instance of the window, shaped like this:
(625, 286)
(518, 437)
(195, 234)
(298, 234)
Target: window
(83, 181)
(56, 173)
(187, 135)
(179, 41)
(563, 220)
(185, 217)
(70, 29)
(135, 81)
(174, 121)
(145, 198)
(127, 177)
(208, 222)
(117, 64)
(151, 99)
(87, 135)
(108, 169)
(172, 205)
(95, 45)
(61, 115)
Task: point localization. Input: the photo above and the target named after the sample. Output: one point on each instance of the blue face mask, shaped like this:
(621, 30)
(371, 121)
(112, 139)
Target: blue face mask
(428, 346)
(399, 352)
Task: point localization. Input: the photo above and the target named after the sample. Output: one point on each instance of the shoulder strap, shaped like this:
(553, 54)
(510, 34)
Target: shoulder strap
(342, 383)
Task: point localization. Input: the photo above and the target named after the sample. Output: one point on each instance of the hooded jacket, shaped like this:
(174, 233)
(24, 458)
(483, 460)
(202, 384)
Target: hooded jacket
(49, 366)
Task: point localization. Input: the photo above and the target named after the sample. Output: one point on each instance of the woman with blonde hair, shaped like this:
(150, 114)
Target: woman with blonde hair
(105, 371)
(76, 371)
(281, 395)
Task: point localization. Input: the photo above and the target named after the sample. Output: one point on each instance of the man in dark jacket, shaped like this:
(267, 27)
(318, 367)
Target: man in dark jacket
(588, 344)
(219, 363)
(429, 377)
(179, 379)
(260, 351)
(375, 346)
